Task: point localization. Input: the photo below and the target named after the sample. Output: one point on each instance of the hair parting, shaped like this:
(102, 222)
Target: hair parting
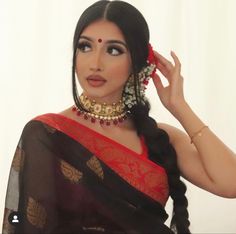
(160, 150)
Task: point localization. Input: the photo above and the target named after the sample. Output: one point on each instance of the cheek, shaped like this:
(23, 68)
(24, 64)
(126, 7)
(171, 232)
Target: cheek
(121, 68)
(79, 65)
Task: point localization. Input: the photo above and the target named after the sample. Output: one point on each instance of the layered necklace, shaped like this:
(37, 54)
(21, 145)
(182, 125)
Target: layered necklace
(103, 113)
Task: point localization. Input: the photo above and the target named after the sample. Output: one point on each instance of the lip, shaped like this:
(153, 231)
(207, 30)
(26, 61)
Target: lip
(96, 78)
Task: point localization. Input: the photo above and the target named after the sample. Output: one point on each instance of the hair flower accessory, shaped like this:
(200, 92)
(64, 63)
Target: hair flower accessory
(146, 73)
(151, 56)
(151, 59)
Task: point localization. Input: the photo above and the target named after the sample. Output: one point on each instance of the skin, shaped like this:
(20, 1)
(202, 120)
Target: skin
(199, 162)
(210, 166)
(110, 60)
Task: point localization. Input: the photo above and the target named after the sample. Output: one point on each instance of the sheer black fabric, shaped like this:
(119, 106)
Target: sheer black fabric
(58, 186)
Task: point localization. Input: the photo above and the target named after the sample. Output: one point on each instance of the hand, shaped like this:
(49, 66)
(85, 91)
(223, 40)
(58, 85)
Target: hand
(172, 95)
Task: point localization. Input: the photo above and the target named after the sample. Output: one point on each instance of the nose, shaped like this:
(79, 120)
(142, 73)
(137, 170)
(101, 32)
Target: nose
(96, 62)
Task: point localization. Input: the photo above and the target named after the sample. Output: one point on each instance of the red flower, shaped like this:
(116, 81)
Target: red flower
(151, 56)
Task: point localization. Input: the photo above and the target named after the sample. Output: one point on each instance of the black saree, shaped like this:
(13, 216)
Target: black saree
(57, 185)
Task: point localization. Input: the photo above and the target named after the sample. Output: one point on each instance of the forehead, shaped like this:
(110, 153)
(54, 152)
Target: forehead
(103, 29)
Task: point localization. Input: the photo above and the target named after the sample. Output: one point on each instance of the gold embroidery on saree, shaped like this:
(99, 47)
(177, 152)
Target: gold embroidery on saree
(36, 213)
(70, 172)
(18, 159)
(94, 164)
(133, 168)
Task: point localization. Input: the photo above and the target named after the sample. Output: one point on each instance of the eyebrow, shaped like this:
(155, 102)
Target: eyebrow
(108, 41)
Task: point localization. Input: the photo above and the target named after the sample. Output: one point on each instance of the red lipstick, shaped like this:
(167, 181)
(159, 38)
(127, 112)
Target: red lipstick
(96, 80)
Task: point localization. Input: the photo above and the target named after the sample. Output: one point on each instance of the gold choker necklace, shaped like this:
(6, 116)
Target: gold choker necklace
(105, 113)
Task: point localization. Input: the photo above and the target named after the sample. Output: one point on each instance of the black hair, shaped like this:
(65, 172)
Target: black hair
(136, 33)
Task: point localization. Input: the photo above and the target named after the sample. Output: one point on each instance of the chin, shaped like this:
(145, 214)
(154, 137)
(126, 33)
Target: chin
(93, 94)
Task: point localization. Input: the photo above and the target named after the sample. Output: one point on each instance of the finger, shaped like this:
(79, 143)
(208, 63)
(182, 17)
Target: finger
(164, 71)
(157, 82)
(163, 60)
(176, 61)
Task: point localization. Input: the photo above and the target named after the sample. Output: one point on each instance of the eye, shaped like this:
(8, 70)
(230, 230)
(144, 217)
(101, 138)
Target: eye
(84, 46)
(115, 50)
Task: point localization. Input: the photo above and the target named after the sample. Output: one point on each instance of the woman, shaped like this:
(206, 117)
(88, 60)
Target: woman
(104, 165)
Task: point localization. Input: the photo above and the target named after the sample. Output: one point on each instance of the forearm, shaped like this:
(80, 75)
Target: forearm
(217, 159)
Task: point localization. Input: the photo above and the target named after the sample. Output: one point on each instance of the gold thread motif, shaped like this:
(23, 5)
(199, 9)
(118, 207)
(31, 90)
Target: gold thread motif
(18, 159)
(70, 172)
(118, 160)
(36, 213)
(94, 164)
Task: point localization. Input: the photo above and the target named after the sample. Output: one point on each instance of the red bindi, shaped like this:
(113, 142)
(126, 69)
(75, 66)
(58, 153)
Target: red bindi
(99, 40)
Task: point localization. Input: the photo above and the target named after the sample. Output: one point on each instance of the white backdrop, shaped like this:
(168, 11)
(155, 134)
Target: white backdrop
(35, 76)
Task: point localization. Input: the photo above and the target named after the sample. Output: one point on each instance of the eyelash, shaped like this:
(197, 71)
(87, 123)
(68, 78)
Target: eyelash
(83, 45)
(120, 51)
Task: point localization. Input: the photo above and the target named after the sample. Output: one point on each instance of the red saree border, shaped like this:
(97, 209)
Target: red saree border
(137, 169)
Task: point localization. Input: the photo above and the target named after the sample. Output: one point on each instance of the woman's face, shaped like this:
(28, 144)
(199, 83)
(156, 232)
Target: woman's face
(103, 62)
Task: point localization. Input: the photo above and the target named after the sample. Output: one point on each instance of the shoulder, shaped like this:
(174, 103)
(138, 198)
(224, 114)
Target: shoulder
(68, 113)
(33, 129)
(175, 134)
(39, 126)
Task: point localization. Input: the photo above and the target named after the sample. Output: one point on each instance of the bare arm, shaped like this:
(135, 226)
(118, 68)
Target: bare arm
(208, 162)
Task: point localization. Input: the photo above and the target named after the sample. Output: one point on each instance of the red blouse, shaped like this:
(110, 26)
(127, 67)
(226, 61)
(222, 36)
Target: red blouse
(136, 169)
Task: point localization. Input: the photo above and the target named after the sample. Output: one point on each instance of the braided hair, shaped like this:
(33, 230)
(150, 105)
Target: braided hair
(160, 150)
